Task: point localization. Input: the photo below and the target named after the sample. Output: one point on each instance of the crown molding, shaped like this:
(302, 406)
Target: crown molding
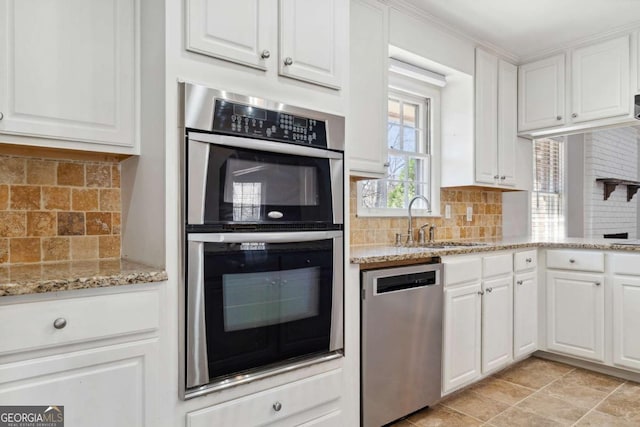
(423, 15)
(618, 31)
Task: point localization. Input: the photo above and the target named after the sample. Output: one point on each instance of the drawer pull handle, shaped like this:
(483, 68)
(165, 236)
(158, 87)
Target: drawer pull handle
(597, 283)
(519, 282)
(60, 323)
(572, 261)
(528, 260)
(277, 406)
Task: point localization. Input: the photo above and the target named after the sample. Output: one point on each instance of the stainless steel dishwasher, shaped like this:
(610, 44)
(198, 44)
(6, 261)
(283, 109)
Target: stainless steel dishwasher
(401, 341)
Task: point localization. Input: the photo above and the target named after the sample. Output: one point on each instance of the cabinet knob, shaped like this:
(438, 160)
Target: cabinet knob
(597, 283)
(496, 176)
(572, 261)
(288, 60)
(60, 323)
(480, 293)
(265, 54)
(574, 115)
(519, 282)
(387, 164)
(277, 406)
(528, 260)
(489, 290)
(503, 177)
(558, 117)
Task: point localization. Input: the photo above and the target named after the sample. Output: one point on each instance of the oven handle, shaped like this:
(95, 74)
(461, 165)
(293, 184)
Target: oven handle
(197, 360)
(266, 237)
(262, 145)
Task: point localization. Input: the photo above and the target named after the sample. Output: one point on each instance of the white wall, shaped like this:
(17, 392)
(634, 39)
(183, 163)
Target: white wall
(611, 153)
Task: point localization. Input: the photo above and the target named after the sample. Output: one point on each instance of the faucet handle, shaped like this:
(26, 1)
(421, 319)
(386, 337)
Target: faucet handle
(421, 234)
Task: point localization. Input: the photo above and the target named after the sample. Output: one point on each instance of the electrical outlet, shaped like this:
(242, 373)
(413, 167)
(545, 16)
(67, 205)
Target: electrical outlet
(469, 213)
(447, 211)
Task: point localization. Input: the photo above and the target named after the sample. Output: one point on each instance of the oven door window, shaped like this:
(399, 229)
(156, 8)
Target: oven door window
(266, 303)
(247, 186)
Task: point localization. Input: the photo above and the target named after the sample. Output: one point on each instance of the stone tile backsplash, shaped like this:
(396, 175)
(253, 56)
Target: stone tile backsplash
(55, 210)
(486, 223)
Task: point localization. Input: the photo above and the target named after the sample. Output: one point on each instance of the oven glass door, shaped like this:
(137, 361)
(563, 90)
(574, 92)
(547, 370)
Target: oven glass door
(241, 185)
(265, 302)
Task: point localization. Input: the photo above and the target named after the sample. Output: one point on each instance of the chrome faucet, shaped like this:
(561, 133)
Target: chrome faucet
(410, 217)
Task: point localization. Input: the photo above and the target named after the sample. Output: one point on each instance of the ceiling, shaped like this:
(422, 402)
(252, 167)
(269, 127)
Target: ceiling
(526, 28)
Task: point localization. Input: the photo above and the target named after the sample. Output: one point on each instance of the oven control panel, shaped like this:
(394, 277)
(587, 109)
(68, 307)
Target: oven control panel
(254, 122)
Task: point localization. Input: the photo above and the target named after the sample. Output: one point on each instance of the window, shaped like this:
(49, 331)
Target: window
(547, 198)
(412, 161)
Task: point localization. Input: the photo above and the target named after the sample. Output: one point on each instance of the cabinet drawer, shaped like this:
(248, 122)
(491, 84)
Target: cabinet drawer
(576, 260)
(296, 400)
(496, 265)
(626, 264)
(30, 326)
(462, 270)
(526, 260)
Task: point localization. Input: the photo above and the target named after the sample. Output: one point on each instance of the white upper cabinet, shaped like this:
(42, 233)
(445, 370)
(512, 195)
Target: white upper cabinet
(305, 38)
(600, 80)
(368, 55)
(507, 121)
(68, 71)
(312, 35)
(495, 111)
(486, 79)
(541, 93)
(240, 31)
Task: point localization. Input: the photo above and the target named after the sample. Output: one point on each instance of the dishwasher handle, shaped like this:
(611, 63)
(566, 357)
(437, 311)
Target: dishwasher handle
(406, 281)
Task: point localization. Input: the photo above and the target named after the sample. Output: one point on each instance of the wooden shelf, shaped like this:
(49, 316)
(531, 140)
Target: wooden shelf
(611, 183)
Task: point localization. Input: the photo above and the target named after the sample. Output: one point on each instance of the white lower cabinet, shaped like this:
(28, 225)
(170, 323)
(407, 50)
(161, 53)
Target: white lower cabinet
(97, 356)
(102, 387)
(626, 322)
(575, 314)
(313, 401)
(497, 323)
(462, 335)
(525, 314)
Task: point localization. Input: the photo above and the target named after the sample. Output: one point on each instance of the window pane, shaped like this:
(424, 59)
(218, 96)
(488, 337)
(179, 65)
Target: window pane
(394, 139)
(394, 111)
(410, 112)
(409, 137)
(395, 194)
(547, 199)
(397, 167)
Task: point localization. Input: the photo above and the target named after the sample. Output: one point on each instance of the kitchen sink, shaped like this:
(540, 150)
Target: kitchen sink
(449, 245)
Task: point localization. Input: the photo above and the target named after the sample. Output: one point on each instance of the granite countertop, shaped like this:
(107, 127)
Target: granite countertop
(63, 276)
(388, 253)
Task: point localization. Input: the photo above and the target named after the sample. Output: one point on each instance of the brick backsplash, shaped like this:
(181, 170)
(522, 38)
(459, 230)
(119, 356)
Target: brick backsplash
(54, 210)
(486, 223)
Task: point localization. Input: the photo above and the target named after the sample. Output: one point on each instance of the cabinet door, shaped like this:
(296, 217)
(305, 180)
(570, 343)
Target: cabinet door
(67, 70)
(103, 387)
(367, 124)
(497, 323)
(541, 93)
(626, 321)
(525, 314)
(507, 122)
(486, 79)
(575, 314)
(600, 76)
(313, 35)
(461, 364)
(241, 31)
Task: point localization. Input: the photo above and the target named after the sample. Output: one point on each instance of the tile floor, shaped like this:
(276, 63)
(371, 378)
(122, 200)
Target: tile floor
(537, 393)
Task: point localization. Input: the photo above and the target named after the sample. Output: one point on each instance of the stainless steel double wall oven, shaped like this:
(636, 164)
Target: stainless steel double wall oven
(263, 238)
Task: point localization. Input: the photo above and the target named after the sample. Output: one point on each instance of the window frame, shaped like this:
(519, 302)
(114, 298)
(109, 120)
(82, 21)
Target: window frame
(563, 195)
(416, 92)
